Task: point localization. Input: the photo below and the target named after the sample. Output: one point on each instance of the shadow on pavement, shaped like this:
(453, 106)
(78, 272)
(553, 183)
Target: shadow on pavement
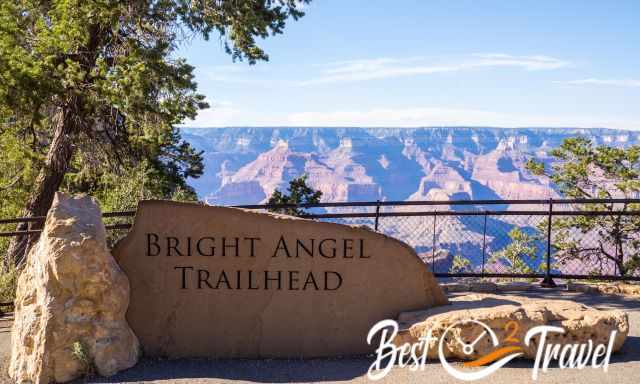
(294, 371)
(630, 351)
(264, 371)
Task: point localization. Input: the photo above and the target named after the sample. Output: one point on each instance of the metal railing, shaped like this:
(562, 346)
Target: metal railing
(479, 234)
(484, 238)
(40, 220)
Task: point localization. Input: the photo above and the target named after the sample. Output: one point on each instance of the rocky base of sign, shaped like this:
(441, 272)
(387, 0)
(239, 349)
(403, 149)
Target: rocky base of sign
(510, 317)
(71, 301)
(624, 289)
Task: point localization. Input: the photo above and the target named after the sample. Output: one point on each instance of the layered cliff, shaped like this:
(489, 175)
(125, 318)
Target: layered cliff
(245, 165)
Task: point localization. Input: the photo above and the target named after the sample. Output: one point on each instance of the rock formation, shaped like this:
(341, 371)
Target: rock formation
(618, 288)
(394, 164)
(71, 301)
(581, 324)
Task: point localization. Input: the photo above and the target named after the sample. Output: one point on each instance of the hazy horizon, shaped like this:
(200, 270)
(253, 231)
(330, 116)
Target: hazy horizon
(407, 127)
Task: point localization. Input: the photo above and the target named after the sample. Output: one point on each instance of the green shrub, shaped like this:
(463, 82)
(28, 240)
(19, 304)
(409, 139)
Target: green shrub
(80, 352)
(460, 264)
(8, 283)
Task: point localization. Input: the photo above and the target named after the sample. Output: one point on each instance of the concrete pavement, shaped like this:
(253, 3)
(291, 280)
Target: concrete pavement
(624, 367)
(5, 344)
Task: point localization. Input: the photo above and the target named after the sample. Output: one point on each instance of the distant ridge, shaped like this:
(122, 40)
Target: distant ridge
(245, 164)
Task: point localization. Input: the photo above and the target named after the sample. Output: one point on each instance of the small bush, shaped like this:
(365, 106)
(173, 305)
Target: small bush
(460, 264)
(8, 283)
(299, 193)
(80, 352)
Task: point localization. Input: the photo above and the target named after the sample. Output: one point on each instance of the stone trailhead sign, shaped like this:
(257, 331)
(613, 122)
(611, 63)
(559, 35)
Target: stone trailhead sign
(226, 282)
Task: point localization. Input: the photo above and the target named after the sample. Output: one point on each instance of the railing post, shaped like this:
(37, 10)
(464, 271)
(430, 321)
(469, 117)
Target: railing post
(377, 215)
(484, 242)
(433, 248)
(548, 282)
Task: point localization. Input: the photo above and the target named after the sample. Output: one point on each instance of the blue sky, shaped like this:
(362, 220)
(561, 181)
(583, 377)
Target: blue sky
(434, 63)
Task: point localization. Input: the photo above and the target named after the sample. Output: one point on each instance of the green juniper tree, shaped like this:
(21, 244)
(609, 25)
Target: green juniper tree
(299, 193)
(519, 256)
(91, 90)
(583, 170)
(460, 264)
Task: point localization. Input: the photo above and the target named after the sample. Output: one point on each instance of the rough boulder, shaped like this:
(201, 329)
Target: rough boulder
(71, 301)
(510, 317)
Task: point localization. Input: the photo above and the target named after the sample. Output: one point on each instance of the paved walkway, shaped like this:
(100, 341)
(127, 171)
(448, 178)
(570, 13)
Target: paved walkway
(624, 368)
(5, 343)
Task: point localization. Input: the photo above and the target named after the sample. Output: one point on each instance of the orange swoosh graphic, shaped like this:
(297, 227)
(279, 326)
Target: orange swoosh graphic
(488, 358)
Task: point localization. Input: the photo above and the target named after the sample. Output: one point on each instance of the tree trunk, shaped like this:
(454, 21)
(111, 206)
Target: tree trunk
(622, 268)
(47, 183)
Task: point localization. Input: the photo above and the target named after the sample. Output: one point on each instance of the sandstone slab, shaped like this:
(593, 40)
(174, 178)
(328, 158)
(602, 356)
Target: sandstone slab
(72, 295)
(624, 289)
(225, 282)
(510, 317)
